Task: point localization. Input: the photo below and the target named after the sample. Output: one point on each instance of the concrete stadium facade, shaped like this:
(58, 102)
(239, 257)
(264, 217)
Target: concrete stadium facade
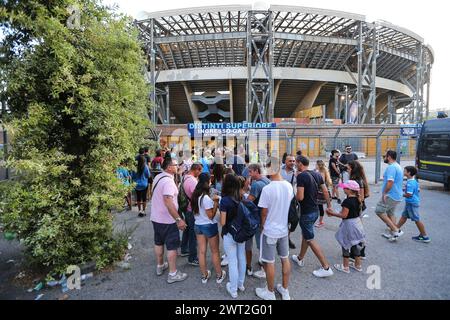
(257, 63)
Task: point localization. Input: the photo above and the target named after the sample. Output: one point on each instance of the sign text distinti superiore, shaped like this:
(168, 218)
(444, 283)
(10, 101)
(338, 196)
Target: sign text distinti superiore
(226, 129)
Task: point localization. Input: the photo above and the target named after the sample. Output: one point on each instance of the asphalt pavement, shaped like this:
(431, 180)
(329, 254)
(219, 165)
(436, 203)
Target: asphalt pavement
(406, 269)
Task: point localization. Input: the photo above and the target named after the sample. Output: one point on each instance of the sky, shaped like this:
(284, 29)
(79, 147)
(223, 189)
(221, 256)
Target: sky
(425, 18)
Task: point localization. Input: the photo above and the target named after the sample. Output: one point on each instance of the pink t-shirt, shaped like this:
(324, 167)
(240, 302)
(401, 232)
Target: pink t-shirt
(166, 187)
(190, 182)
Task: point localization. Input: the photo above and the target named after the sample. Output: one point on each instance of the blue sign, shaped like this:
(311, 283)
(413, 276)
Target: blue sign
(226, 129)
(410, 130)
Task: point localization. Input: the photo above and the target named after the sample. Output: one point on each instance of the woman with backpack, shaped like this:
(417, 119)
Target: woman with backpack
(141, 179)
(157, 161)
(231, 195)
(206, 229)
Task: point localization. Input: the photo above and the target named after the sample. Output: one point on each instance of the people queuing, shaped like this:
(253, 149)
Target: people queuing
(208, 187)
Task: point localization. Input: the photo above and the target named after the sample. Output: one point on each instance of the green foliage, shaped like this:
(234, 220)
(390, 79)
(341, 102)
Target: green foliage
(79, 106)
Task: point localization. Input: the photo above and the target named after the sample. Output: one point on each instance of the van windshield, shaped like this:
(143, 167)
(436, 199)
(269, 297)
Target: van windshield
(435, 147)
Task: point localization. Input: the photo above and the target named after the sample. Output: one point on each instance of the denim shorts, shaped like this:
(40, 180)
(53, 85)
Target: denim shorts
(335, 180)
(306, 223)
(249, 242)
(411, 212)
(208, 230)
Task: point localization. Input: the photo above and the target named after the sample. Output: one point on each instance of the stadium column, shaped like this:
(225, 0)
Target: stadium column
(260, 85)
(152, 71)
(419, 84)
(230, 88)
(192, 106)
(427, 108)
(310, 97)
(336, 103)
(368, 53)
(391, 110)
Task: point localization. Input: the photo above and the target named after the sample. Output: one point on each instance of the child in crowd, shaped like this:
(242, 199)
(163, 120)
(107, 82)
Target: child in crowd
(412, 202)
(124, 175)
(351, 235)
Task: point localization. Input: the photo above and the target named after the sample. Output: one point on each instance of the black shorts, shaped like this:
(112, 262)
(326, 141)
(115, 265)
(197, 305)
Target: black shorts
(141, 195)
(166, 234)
(355, 251)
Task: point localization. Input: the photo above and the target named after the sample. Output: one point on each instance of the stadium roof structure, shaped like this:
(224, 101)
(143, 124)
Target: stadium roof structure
(244, 63)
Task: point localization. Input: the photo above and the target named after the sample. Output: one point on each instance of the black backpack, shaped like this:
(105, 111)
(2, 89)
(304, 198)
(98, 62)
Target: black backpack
(294, 212)
(246, 222)
(183, 199)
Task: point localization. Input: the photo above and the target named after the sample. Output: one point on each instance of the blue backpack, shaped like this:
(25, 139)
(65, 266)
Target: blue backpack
(246, 222)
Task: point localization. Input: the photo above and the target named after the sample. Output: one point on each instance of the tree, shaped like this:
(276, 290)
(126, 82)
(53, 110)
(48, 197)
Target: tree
(79, 106)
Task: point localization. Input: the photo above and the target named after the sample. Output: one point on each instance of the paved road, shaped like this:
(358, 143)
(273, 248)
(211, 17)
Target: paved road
(409, 270)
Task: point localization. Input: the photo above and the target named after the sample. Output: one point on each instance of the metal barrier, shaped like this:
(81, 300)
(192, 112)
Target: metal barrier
(317, 141)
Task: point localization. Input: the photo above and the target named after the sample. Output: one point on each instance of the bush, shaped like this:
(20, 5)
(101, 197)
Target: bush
(79, 106)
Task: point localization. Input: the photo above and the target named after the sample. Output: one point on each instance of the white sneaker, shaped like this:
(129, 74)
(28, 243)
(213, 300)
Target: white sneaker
(208, 275)
(260, 274)
(234, 295)
(224, 261)
(387, 235)
(300, 263)
(241, 288)
(222, 277)
(224, 256)
(265, 294)
(160, 269)
(284, 292)
(179, 276)
(399, 233)
(322, 273)
(249, 272)
(396, 235)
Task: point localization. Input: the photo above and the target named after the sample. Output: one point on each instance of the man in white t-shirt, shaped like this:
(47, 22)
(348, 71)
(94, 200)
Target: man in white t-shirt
(274, 203)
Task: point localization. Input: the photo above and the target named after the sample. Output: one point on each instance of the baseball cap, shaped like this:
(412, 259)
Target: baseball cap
(350, 184)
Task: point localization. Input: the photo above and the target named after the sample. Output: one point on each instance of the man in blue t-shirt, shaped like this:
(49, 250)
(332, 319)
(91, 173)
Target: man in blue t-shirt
(392, 195)
(412, 202)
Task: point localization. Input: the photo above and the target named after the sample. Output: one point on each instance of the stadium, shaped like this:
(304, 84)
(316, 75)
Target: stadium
(283, 64)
